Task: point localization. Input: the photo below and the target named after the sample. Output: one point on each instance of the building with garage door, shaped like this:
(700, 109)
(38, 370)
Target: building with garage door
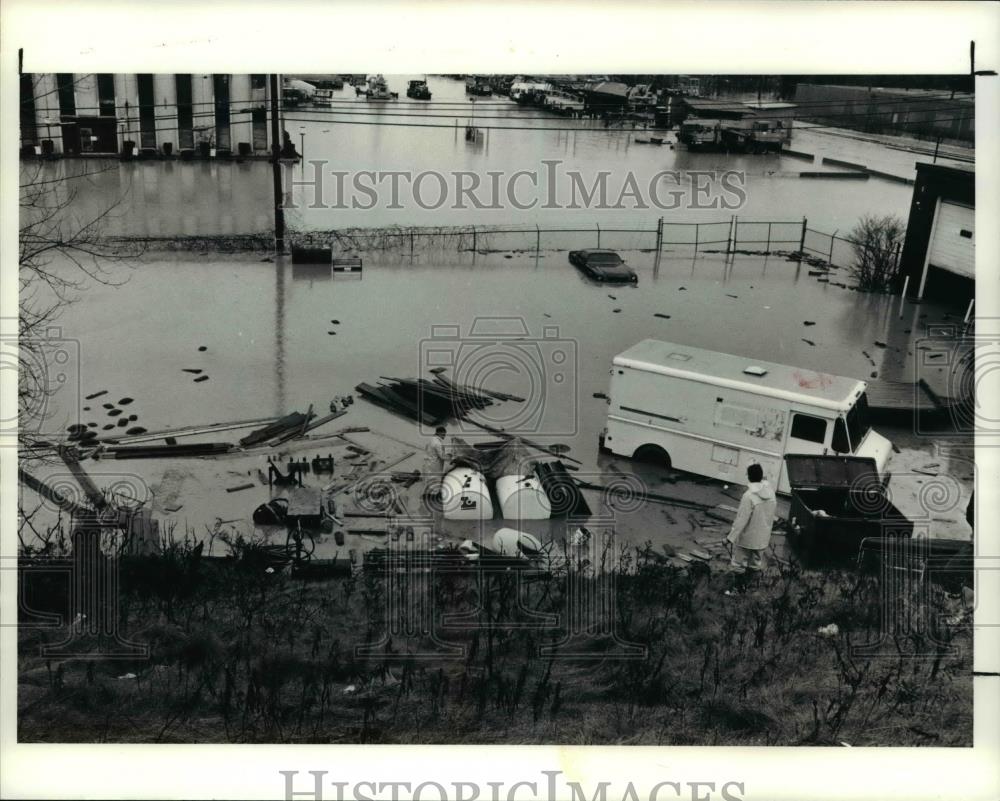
(147, 114)
(939, 254)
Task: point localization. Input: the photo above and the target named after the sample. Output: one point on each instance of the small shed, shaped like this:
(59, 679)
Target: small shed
(939, 250)
(781, 114)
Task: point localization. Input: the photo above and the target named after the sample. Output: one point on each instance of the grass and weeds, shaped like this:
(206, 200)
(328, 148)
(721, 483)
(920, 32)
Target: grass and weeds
(641, 652)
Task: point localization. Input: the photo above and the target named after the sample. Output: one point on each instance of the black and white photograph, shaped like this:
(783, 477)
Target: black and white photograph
(560, 403)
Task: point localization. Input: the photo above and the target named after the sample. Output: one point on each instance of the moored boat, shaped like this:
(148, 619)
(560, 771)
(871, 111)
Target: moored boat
(418, 90)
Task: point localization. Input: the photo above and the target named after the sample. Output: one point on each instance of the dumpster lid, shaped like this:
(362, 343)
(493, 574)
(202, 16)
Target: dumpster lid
(807, 470)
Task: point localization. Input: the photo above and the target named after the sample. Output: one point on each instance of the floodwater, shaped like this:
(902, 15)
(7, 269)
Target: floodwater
(166, 198)
(272, 337)
(508, 321)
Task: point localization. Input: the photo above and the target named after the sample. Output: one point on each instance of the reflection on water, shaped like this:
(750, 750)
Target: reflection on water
(266, 328)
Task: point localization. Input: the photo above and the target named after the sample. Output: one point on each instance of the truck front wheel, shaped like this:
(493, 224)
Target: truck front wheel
(652, 454)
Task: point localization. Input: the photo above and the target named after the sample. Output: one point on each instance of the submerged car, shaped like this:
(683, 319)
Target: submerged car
(603, 265)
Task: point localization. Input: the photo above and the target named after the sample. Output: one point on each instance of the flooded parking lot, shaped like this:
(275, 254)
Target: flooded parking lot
(272, 337)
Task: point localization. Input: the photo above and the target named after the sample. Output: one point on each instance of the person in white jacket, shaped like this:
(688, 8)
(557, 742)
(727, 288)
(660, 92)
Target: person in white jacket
(751, 531)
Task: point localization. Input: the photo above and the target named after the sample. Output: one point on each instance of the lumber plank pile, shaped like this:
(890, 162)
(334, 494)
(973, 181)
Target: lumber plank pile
(430, 402)
(290, 424)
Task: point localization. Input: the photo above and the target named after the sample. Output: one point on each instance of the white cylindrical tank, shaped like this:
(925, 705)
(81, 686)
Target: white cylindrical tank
(522, 498)
(465, 495)
(510, 542)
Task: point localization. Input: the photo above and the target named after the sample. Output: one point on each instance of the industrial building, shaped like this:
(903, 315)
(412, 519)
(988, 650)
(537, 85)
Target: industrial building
(144, 114)
(916, 112)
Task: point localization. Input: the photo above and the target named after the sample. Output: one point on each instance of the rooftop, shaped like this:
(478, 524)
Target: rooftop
(726, 369)
(701, 104)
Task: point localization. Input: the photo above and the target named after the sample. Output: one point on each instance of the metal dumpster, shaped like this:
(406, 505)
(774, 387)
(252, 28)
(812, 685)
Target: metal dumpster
(837, 501)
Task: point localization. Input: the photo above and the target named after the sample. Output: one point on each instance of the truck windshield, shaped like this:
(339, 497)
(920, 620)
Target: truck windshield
(849, 431)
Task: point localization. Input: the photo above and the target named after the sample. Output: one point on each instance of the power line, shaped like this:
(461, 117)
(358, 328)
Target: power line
(442, 126)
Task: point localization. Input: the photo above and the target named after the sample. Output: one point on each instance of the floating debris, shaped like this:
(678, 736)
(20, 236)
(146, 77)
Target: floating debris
(809, 342)
(335, 322)
(114, 412)
(124, 421)
(661, 316)
(682, 289)
(194, 370)
(202, 348)
(201, 378)
(612, 297)
(86, 408)
(808, 322)
(615, 311)
(332, 333)
(600, 395)
(732, 296)
(109, 406)
(108, 427)
(96, 394)
(880, 344)
(125, 401)
(136, 430)
(133, 417)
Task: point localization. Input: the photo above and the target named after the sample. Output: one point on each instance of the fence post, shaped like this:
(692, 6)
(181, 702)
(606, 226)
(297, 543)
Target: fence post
(833, 239)
(473, 239)
(598, 235)
(767, 247)
(802, 239)
(538, 239)
(902, 296)
(659, 235)
(411, 243)
(697, 229)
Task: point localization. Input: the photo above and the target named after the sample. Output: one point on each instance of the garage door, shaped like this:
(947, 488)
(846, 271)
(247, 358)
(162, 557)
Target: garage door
(952, 245)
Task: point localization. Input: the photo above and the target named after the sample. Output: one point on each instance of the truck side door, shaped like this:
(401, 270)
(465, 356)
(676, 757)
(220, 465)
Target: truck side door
(808, 433)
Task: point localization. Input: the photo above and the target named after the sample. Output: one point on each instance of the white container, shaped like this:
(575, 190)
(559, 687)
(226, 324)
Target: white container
(465, 496)
(510, 542)
(522, 498)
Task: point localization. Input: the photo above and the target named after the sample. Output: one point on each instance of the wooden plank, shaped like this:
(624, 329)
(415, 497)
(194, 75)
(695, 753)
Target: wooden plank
(501, 433)
(331, 488)
(188, 431)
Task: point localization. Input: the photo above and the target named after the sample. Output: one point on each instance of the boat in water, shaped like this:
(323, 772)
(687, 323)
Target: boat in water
(378, 89)
(418, 90)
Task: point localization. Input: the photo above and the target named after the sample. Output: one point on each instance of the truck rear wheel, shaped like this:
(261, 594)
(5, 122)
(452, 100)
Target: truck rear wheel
(652, 454)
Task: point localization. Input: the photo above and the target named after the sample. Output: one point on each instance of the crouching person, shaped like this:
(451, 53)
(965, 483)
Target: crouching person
(751, 531)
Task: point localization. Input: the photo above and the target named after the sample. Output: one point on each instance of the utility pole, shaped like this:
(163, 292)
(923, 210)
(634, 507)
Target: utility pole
(279, 212)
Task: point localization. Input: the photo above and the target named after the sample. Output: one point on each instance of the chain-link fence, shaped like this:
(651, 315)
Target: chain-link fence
(723, 236)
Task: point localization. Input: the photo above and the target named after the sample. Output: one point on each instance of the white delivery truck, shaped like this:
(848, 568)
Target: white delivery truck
(715, 414)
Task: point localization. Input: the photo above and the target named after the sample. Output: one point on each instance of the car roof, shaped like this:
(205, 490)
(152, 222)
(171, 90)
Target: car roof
(601, 253)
